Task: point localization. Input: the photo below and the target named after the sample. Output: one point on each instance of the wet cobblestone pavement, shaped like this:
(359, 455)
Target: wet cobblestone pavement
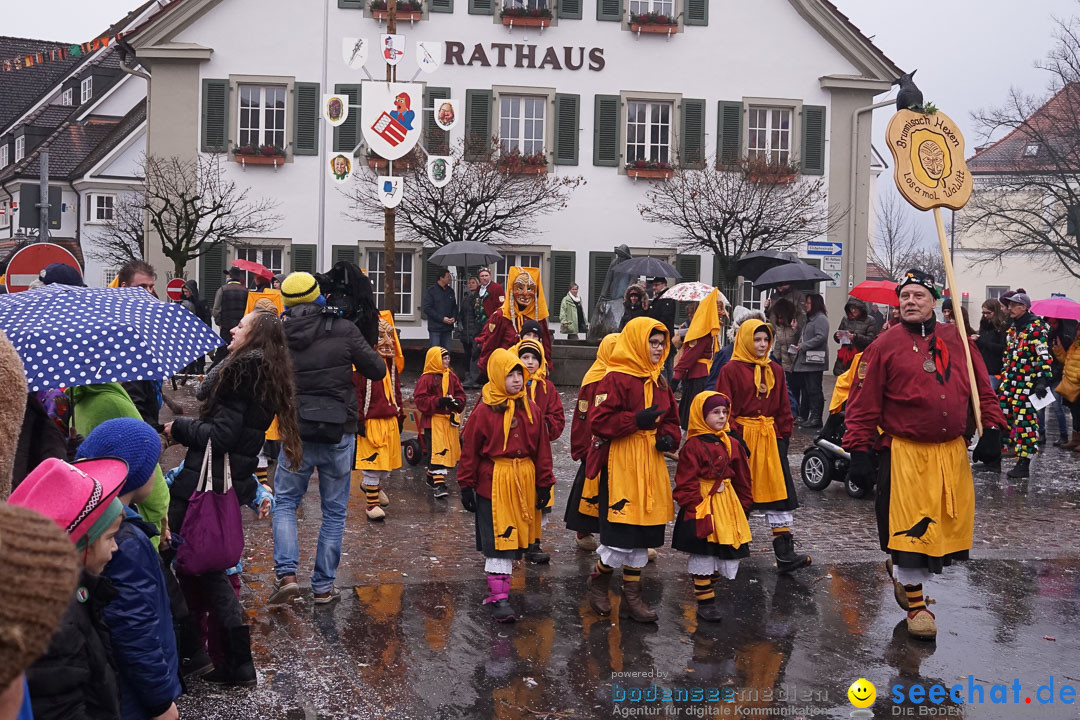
(410, 638)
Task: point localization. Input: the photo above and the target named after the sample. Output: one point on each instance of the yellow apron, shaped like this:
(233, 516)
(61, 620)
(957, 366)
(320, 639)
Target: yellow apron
(931, 497)
(639, 485)
(380, 447)
(272, 432)
(513, 502)
(445, 442)
(590, 490)
(766, 472)
(728, 519)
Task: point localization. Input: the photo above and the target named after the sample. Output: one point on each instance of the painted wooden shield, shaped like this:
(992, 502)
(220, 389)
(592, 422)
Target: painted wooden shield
(391, 117)
(392, 48)
(335, 109)
(440, 169)
(354, 51)
(429, 55)
(390, 190)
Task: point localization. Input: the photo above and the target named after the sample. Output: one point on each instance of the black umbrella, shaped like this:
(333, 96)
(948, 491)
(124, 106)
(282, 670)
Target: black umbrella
(647, 266)
(752, 265)
(464, 253)
(791, 273)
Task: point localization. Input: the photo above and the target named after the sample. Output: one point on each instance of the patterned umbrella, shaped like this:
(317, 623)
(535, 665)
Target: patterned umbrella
(691, 292)
(69, 336)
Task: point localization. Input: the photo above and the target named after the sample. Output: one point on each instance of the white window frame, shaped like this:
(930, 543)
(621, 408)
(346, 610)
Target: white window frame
(1032, 149)
(86, 89)
(265, 135)
(519, 258)
(4, 155)
(994, 292)
(529, 4)
(5, 214)
(259, 254)
(518, 138)
(769, 133)
(20, 147)
(100, 208)
(67, 97)
(664, 7)
(659, 150)
(403, 270)
(108, 275)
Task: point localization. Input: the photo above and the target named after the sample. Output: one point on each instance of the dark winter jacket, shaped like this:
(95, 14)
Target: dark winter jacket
(439, 303)
(991, 344)
(39, 440)
(229, 306)
(140, 623)
(195, 304)
(663, 310)
(324, 350)
(76, 677)
(631, 311)
(864, 328)
(146, 394)
(235, 420)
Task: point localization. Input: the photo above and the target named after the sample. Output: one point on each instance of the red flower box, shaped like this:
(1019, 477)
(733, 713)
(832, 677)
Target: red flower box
(523, 169)
(656, 28)
(260, 159)
(523, 21)
(409, 16)
(649, 173)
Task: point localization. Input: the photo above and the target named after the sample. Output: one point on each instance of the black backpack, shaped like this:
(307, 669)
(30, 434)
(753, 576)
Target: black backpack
(349, 294)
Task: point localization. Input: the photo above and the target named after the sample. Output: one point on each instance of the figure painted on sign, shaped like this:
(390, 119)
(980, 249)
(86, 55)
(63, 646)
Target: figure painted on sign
(445, 117)
(334, 109)
(930, 158)
(391, 53)
(402, 111)
(341, 167)
(438, 170)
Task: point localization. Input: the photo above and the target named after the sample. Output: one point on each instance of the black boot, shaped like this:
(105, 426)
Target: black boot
(239, 668)
(709, 611)
(786, 559)
(536, 555)
(194, 661)
(1020, 470)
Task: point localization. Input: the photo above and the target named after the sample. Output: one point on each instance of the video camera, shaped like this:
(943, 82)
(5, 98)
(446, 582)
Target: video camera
(349, 293)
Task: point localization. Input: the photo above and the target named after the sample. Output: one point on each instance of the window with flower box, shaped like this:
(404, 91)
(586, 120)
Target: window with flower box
(648, 131)
(769, 135)
(261, 116)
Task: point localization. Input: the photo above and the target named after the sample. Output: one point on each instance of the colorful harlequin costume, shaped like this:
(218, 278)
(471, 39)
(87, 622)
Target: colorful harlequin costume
(524, 301)
(1027, 365)
(440, 399)
(695, 357)
(504, 473)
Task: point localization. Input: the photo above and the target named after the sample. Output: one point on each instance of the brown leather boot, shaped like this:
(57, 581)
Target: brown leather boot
(1073, 444)
(632, 606)
(598, 593)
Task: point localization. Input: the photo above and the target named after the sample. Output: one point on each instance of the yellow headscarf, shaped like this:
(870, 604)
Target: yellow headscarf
(599, 367)
(744, 352)
(698, 426)
(706, 320)
(541, 372)
(500, 363)
(399, 356)
(537, 311)
(631, 353)
(433, 365)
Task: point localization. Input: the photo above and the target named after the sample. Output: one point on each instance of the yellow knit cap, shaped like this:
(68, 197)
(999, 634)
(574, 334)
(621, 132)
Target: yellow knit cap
(299, 287)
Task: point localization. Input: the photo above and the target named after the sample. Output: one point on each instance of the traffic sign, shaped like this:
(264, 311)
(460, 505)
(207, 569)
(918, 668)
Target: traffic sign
(820, 247)
(835, 282)
(174, 287)
(26, 265)
(830, 263)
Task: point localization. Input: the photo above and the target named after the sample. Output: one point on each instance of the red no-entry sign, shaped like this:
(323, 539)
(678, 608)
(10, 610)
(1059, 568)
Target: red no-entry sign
(27, 264)
(174, 287)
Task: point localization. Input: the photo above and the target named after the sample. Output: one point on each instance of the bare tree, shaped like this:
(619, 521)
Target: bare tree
(1023, 201)
(121, 237)
(731, 211)
(928, 259)
(494, 200)
(193, 207)
(896, 242)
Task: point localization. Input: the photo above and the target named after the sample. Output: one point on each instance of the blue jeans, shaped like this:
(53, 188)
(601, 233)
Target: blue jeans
(441, 338)
(334, 463)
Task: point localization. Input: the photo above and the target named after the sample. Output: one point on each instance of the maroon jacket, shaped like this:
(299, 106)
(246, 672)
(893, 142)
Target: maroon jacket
(427, 393)
(737, 382)
(483, 440)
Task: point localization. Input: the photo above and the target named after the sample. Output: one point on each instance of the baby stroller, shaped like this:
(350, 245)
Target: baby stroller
(826, 460)
(415, 448)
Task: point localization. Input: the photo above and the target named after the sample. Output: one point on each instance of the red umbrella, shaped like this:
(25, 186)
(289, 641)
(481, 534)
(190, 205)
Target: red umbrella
(882, 292)
(254, 267)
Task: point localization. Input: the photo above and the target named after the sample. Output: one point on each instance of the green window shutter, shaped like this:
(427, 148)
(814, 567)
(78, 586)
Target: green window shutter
(477, 124)
(215, 116)
(212, 271)
(356, 4)
(308, 117)
(611, 10)
(347, 135)
(570, 9)
(697, 12)
(813, 139)
(481, 7)
(567, 119)
(606, 131)
(692, 142)
(599, 262)
(303, 258)
(563, 267)
(689, 267)
(441, 6)
(347, 253)
(437, 139)
(728, 132)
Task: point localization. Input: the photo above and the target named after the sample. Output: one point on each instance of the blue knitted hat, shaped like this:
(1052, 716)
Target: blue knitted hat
(129, 439)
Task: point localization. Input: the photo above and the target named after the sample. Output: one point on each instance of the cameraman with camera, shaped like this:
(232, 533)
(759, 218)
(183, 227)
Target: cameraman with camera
(326, 344)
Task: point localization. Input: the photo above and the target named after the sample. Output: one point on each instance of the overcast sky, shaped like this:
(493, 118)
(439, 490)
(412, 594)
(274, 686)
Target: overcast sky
(968, 52)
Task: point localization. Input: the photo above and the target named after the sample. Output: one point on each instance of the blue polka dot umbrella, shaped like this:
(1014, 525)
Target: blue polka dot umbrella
(72, 336)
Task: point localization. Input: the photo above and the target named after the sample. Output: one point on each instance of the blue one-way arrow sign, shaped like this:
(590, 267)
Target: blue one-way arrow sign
(818, 247)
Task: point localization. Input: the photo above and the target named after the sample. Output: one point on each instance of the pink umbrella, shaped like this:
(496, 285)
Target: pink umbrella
(1057, 307)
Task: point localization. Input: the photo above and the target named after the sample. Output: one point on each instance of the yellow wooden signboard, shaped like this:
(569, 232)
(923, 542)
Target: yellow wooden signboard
(928, 156)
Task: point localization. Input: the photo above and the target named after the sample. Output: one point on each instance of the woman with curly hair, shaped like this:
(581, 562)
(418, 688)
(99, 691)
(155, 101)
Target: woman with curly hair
(241, 395)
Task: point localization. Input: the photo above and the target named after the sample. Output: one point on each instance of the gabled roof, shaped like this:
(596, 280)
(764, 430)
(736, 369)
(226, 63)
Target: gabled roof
(119, 133)
(69, 146)
(20, 89)
(1056, 122)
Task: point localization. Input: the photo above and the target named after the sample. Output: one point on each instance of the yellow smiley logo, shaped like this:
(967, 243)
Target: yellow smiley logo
(862, 693)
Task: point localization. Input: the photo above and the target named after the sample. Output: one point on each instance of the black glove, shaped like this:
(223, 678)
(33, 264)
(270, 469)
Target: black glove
(1040, 389)
(468, 499)
(782, 444)
(861, 472)
(646, 419)
(400, 423)
(988, 449)
(543, 494)
(361, 428)
(457, 405)
(665, 443)
(445, 403)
